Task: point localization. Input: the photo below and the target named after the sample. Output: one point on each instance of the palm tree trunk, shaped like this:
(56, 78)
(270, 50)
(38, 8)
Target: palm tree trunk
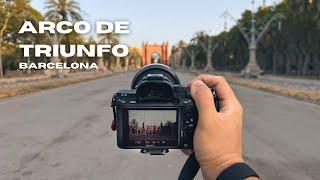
(1, 70)
(132, 64)
(126, 67)
(106, 64)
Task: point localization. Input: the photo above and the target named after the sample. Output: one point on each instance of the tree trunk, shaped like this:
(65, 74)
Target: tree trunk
(106, 64)
(126, 67)
(1, 39)
(1, 70)
(132, 64)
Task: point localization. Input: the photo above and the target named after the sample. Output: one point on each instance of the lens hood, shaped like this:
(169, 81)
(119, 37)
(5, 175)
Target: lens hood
(155, 69)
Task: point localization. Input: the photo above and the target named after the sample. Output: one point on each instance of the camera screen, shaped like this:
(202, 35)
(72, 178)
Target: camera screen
(153, 127)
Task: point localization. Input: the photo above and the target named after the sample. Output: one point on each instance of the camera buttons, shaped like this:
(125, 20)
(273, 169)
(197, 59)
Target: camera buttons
(122, 101)
(187, 101)
(176, 101)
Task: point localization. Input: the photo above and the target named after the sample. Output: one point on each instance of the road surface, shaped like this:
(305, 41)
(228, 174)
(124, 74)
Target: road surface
(61, 134)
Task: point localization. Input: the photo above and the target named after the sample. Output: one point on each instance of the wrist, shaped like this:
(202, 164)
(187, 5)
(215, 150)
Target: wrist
(212, 169)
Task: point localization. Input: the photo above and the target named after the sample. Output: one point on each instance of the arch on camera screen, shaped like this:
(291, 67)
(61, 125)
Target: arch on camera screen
(153, 127)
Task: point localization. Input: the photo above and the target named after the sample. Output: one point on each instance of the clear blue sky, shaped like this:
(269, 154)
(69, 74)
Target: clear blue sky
(166, 20)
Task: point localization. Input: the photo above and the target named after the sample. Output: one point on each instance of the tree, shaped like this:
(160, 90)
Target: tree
(12, 15)
(112, 39)
(134, 57)
(178, 55)
(63, 10)
(6, 8)
(290, 47)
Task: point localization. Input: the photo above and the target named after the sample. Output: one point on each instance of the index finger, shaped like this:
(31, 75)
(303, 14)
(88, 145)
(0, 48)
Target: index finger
(223, 90)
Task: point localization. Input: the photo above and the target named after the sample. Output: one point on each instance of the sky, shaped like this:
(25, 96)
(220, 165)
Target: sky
(166, 20)
(152, 117)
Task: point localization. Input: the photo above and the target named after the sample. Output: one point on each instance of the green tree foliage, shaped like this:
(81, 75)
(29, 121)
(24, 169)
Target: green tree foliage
(112, 39)
(16, 12)
(290, 47)
(65, 10)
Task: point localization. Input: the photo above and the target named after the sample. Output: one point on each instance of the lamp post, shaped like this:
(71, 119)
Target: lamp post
(192, 52)
(210, 49)
(253, 37)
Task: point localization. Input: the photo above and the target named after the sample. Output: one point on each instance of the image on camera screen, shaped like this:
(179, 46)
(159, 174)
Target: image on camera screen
(157, 127)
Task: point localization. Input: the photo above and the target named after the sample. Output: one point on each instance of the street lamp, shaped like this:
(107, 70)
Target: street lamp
(253, 38)
(192, 51)
(210, 49)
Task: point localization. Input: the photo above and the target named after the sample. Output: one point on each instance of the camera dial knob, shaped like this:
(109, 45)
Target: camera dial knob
(188, 114)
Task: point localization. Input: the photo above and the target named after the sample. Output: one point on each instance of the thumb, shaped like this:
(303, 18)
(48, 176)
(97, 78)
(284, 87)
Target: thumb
(203, 98)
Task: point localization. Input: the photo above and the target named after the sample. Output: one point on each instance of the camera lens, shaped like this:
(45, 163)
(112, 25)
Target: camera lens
(155, 83)
(154, 69)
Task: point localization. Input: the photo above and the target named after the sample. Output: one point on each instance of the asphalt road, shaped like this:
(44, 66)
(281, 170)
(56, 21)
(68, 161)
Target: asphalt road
(61, 134)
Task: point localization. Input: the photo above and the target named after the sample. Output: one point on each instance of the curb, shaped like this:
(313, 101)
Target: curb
(299, 94)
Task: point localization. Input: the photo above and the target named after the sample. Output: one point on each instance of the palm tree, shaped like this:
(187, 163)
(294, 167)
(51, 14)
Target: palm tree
(109, 38)
(65, 10)
(134, 57)
(112, 39)
(181, 58)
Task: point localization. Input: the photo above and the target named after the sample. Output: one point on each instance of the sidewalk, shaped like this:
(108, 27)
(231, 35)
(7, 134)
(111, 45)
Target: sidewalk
(302, 89)
(18, 86)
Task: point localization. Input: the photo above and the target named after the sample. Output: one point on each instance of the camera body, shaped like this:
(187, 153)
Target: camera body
(157, 113)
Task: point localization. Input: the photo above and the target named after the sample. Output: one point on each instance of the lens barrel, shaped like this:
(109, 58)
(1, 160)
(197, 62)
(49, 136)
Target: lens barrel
(166, 71)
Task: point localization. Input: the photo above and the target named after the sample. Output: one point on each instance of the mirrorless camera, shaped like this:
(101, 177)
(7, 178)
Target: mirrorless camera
(157, 113)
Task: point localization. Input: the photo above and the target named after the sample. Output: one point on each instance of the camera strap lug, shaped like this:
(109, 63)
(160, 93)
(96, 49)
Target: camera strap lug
(113, 105)
(154, 151)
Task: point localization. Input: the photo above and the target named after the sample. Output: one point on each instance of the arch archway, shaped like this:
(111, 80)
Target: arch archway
(155, 53)
(156, 57)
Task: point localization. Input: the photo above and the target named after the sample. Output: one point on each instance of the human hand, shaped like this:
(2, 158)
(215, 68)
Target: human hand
(218, 136)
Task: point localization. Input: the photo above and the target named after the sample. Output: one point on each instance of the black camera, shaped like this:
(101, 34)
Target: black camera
(157, 113)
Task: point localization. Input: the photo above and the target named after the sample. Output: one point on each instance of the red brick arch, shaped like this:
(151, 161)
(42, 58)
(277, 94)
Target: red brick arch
(149, 49)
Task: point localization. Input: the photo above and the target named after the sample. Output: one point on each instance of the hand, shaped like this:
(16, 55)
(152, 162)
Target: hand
(218, 136)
